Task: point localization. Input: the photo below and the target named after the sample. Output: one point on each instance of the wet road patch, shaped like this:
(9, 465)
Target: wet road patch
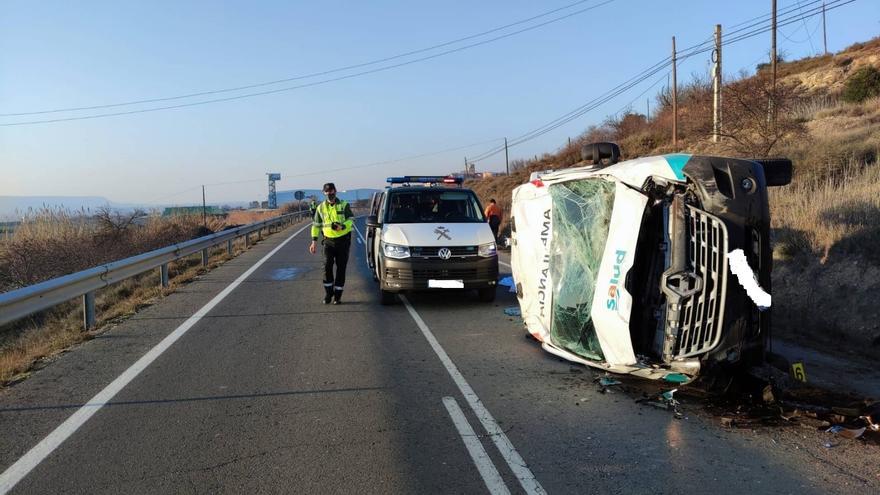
(288, 273)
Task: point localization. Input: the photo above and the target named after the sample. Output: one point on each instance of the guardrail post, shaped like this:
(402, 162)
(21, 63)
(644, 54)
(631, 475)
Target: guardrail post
(260, 234)
(89, 310)
(163, 274)
(205, 257)
(229, 247)
(247, 239)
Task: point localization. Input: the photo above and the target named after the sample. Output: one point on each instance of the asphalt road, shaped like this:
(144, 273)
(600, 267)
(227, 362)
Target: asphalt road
(269, 391)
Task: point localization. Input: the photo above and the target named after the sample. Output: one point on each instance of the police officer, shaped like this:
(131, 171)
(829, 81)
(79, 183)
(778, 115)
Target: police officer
(334, 219)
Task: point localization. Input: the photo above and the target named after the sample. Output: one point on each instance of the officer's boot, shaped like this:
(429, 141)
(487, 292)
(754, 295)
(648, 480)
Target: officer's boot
(328, 289)
(337, 296)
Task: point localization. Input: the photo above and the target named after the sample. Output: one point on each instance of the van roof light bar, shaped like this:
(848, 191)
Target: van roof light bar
(426, 179)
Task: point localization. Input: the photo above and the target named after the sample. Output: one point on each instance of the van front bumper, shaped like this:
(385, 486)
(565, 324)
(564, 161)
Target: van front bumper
(414, 274)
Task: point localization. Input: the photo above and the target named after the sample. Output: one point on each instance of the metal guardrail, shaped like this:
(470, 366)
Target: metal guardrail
(28, 300)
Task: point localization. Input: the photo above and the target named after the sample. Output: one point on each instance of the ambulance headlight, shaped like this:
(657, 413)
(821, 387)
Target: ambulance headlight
(395, 251)
(488, 250)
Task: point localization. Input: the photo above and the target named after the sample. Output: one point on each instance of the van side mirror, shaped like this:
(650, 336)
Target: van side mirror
(373, 221)
(777, 171)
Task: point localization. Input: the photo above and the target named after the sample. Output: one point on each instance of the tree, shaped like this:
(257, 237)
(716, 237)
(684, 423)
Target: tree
(748, 128)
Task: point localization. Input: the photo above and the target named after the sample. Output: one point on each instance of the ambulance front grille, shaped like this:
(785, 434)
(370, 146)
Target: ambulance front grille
(703, 312)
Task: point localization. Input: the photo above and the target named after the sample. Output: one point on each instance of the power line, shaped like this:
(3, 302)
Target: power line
(339, 169)
(809, 36)
(750, 31)
(396, 160)
(629, 105)
(317, 74)
(761, 18)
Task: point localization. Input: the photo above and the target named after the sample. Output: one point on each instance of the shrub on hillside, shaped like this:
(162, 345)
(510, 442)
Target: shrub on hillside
(863, 84)
(749, 127)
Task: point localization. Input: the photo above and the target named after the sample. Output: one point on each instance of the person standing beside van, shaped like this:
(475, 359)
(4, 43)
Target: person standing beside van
(333, 218)
(493, 216)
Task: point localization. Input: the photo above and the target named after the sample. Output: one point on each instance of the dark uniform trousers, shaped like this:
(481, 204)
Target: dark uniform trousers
(336, 252)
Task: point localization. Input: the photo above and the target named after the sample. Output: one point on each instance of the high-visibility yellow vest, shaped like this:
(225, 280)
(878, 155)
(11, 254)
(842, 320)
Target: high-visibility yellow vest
(326, 215)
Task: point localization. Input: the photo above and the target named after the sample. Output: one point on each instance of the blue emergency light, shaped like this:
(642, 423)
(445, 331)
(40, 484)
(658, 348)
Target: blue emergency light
(426, 179)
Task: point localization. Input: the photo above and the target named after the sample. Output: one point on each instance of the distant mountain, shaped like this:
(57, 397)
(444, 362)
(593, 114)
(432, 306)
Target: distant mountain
(348, 195)
(13, 207)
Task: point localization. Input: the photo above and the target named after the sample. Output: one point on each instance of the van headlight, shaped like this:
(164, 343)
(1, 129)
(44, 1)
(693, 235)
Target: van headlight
(487, 250)
(395, 251)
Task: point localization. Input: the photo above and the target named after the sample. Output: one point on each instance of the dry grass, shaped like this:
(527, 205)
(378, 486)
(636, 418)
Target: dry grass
(41, 336)
(826, 274)
(244, 217)
(50, 243)
(834, 216)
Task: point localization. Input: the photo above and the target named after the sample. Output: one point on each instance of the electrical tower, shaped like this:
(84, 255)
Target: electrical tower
(273, 199)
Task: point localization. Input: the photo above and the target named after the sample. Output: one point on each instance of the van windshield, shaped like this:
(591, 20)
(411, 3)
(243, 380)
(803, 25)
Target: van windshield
(432, 206)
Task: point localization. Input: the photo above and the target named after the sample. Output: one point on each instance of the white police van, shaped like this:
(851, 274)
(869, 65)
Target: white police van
(423, 234)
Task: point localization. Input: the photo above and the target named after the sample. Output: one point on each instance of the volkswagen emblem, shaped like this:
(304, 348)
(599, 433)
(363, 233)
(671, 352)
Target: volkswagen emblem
(444, 253)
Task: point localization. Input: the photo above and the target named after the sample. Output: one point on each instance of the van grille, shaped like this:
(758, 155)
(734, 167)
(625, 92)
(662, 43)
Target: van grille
(430, 252)
(423, 275)
(703, 311)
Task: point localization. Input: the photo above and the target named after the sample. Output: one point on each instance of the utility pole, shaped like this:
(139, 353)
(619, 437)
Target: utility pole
(716, 86)
(647, 108)
(675, 99)
(506, 159)
(824, 32)
(204, 209)
(772, 115)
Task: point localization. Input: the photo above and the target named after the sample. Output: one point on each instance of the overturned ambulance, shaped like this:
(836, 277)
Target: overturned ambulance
(629, 267)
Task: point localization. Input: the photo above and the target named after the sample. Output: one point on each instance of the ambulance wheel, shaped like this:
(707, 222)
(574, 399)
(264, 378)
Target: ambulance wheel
(487, 294)
(387, 297)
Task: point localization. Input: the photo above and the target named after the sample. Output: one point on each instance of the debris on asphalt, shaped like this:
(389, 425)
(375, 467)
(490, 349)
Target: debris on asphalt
(513, 311)
(605, 382)
(664, 400)
(676, 378)
(508, 282)
(850, 433)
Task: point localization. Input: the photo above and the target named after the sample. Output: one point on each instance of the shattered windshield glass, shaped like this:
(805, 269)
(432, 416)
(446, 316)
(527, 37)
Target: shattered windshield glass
(581, 217)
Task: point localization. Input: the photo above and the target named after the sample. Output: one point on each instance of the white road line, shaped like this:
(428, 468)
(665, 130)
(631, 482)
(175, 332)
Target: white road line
(508, 452)
(358, 231)
(38, 453)
(504, 263)
(481, 459)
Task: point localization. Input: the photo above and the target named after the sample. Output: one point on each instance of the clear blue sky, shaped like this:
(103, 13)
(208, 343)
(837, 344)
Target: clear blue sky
(59, 54)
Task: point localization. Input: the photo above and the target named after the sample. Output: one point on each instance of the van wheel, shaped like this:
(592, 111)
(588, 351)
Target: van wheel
(387, 297)
(487, 294)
